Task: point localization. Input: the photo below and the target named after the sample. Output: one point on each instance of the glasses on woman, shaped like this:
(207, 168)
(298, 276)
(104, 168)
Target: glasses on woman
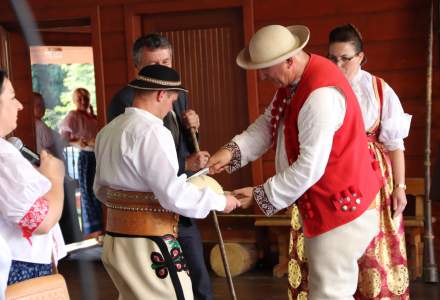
(343, 59)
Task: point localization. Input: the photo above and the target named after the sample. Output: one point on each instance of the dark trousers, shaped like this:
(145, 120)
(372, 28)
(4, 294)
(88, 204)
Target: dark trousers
(191, 243)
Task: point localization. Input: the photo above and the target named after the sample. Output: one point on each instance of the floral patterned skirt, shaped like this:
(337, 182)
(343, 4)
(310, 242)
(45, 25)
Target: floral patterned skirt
(297, 269)
(21, 270)
(91, 211)
(383, 272)
(147, 267)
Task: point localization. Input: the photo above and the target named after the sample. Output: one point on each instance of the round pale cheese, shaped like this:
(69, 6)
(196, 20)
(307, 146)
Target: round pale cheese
(203, 181)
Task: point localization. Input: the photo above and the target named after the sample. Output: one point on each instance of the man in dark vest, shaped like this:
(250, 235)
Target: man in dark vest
(156, 49)
(322, 160)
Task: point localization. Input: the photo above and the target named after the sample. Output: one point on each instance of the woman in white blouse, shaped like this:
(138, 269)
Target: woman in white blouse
(31, 200)
(383, 270)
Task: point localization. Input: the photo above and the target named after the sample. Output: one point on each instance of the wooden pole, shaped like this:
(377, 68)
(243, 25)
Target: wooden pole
(219, 233)
(430, 272)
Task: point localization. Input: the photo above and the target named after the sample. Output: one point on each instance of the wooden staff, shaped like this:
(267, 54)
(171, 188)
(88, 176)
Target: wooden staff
(430, 273)
(219, 233)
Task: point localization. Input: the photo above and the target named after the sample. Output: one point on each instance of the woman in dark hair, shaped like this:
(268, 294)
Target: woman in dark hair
(31, 202)
(79, 128)
(383, 270)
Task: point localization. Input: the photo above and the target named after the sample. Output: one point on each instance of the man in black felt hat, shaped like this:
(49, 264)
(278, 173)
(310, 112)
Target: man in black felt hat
(136, 178)
(151, 49)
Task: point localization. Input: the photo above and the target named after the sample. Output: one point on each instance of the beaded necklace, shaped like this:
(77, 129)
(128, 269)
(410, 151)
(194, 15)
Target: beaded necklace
(283, 98)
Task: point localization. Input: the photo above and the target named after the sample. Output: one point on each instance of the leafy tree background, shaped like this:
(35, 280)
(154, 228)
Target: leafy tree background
(56, 83)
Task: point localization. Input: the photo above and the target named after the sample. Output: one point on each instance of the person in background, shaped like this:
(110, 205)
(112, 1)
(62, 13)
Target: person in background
(156, 49)
(383, 272)
(31, 200)
(50, 140)
(79, 128)
(43, 134)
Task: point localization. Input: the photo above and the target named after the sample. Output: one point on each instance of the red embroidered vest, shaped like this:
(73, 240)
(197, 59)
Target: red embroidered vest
(352, 178)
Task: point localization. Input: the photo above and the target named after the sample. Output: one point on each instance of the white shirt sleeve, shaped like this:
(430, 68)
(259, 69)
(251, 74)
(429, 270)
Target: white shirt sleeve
(159, 171)
(20, 186)
(395, 122)
(256, 139)
(320, 117)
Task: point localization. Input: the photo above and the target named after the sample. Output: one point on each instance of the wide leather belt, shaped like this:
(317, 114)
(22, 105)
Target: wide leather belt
(138, 214)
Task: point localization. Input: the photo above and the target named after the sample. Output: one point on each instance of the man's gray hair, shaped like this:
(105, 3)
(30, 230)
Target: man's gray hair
(151, 41)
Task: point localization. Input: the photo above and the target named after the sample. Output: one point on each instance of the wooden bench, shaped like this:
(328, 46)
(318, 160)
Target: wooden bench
(414, 226)
(280, 225)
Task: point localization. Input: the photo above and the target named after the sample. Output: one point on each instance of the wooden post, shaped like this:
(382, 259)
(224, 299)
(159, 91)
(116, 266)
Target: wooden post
(430, 272)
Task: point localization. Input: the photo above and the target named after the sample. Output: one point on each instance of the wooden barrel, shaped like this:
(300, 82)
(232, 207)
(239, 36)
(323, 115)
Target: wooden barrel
(241, 258)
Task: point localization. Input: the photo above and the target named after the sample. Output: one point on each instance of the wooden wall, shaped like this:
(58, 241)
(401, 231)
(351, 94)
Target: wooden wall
(395, 38)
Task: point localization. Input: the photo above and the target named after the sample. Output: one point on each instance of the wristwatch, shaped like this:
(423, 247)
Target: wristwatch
(400, 185)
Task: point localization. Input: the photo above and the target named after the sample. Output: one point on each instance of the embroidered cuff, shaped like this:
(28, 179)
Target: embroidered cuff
(235, 162)
(263, 202)
(33, 218)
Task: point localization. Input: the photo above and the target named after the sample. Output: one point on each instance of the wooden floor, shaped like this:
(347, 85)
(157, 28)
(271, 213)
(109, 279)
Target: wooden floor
(87, 280)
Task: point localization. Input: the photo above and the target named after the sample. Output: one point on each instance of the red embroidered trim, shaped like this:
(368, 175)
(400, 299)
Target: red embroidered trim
(33, 218)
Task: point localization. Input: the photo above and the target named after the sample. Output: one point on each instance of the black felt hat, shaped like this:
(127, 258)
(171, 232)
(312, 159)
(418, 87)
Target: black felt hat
(157, 77)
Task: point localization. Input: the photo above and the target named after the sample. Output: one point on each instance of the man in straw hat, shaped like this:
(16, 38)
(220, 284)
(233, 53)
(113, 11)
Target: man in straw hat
(322, 160)
(136, 178)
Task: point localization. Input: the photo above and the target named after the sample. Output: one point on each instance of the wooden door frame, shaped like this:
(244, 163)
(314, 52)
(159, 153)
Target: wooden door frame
(91, 12)
(133, 14)
(5, 57)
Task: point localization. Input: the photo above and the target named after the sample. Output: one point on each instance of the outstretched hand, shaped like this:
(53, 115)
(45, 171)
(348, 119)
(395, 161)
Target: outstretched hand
(231, 203)
(218, 162)
(245, 196)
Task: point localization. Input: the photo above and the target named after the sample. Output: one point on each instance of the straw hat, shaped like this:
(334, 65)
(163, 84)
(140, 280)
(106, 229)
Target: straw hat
(157, 77)
(272, 45)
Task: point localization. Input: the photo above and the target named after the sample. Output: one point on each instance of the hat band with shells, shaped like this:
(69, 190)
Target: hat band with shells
(158, 81)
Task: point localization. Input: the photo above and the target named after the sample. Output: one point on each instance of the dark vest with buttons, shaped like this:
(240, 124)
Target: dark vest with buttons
(351, 179)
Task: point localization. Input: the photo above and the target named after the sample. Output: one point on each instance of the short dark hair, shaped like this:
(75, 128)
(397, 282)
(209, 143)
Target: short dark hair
(150, 41)
(3, 76)
(347, 33)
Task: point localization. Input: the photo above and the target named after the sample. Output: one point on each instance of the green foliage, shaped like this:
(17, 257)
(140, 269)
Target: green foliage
(57, 82)
(48, 80)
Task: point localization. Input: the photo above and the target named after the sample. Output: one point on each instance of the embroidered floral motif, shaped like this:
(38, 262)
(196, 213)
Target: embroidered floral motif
(176, 253)
(33, 218)
(263, 202)
(158, 265)
(158, 261)
(235, 162)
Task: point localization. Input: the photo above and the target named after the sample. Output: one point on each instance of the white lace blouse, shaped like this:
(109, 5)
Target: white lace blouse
(395, 123)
